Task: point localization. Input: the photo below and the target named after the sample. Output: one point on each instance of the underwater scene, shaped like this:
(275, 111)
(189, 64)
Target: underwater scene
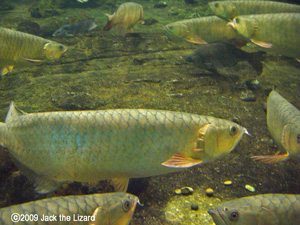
(151, 112)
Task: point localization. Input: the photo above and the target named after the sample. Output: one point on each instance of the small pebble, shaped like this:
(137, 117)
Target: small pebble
(209, 192)
(194, 206)
(249, 188)
(187, 191)
(178, 191)
(228, 183)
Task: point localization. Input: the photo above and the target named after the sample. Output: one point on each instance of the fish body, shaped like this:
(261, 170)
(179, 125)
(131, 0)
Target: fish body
(125, 17)
(203, 30)
(278, 33)
(229, 9)
(265, 209)
(101, 209)
(113, 144)
(22, 49)
(80, 26)
(216, 56)
(283, 120)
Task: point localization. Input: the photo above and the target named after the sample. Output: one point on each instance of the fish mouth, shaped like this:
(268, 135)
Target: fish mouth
(217, 216)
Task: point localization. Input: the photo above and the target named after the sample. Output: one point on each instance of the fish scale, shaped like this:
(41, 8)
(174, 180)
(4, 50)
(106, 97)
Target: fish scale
(107, 208)
(119, 143)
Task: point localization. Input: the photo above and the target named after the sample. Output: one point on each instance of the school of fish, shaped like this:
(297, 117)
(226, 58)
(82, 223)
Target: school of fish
(119, 144)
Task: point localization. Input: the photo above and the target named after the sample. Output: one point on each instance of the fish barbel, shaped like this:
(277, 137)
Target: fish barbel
(229, 9)
(278, 32)
(125, 17)
(203, 30)
(113, 144)
(283, 120)
(265, 209)
(22, 49)
(101, 209)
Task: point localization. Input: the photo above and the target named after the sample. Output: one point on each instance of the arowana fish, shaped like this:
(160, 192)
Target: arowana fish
(283, 120)
(266, 209)
(21, 49)
(125, 17)
(80, 26)
(56, 147)
(204, 30)
(101, 209)
(229, 9)
(278, 33)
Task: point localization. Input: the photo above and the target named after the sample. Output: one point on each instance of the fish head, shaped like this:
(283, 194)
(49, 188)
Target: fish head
(232, 212)
(224, 10)
(54, 50)
(65, 30)
(291, 138)
(177, 31)
(244, 26)
(118, 211)
(218, 140)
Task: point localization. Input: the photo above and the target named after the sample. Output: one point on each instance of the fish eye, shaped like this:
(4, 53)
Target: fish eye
(298, 138)
(216, 5)
(234, 216)
(237, 20)
(126, 205)
(233, 130)
(61, 47)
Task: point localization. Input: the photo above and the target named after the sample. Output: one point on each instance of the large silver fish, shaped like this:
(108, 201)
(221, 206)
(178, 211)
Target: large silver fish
(100, 209)
(21, 49)
(267, 209)
(229, 9)
(204, 30)
(113, 144)
(278, 32)
(283, 120)
(125, 17)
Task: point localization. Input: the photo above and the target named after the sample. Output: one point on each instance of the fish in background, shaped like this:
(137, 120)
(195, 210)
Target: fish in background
(101, 209)
(80, 26)
(204, 30)
(22, 49)
(278, 33)
(283, 120)
(125, 17)
(265, 209)
(115, 144)
(218, 57)
(227, 10)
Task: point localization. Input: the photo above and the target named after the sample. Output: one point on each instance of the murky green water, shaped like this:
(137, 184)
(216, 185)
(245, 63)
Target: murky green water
(145, 69)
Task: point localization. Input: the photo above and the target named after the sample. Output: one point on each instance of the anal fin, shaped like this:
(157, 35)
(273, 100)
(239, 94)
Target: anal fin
(120, 184)
(262, 44)
(181, 161)
(271, 158)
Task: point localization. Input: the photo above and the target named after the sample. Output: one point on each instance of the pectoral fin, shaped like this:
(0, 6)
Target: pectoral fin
(6, 69)
(34, 60)
(195, 39)
(271, 158)
(285, 136)
(120, 184)
(262, 44)
(181, 161)
(100, 217)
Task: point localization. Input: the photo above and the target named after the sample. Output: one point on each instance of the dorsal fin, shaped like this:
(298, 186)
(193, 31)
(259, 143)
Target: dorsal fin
(13, 111)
